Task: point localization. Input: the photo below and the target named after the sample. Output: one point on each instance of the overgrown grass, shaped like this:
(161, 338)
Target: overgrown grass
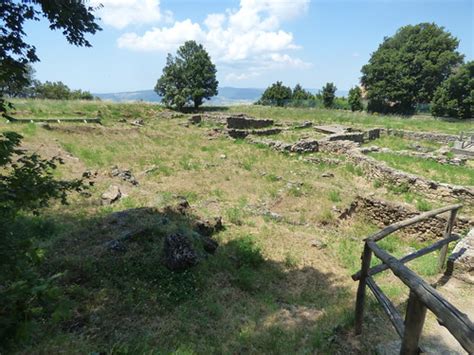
(265, 290)
(399, 143)
(363, 119)
(459, 175)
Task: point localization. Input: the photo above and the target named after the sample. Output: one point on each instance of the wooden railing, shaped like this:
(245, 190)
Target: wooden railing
(422, 295)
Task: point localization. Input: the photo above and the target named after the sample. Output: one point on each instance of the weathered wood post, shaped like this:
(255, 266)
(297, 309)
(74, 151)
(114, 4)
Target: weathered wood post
(360, 301)
(447, 233)
(414, 320)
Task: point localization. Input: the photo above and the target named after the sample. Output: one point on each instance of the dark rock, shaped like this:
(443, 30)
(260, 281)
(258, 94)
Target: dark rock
(125, 175)
(209, 244)
(305, 146)
(209, 227)
(195, 119)
(179, 253)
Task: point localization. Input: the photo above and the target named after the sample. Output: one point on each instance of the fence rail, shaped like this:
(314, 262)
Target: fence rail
(422, 295)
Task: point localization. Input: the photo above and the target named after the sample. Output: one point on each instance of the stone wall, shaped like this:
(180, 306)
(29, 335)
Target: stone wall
(242, 122)
(379, 170)
(384, 213)
(437, 137)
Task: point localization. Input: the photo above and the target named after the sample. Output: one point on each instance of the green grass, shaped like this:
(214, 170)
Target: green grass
(362, 119)
(398, 143)
(265, 290)
(458, 175)
(35, 108)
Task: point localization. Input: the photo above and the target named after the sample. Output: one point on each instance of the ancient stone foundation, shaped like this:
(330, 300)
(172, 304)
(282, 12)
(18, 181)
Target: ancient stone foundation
(384, 213)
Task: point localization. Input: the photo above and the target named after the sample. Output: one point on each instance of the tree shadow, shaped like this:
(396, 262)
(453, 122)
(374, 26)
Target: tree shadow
(235, 300)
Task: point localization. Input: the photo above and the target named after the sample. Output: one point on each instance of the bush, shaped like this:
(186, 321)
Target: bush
(455, 96)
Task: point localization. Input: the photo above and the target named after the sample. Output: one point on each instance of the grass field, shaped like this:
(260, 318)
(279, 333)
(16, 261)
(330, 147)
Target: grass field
(266, 290)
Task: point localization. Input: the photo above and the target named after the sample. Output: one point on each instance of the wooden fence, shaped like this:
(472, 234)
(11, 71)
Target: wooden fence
(422, 295)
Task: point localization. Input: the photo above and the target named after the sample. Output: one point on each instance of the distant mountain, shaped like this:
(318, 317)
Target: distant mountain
(227, 96)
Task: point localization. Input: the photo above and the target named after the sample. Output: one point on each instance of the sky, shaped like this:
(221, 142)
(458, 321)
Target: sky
(252, 42)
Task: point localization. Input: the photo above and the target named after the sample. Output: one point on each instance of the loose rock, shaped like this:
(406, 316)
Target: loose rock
(111, 195)
(179, 253)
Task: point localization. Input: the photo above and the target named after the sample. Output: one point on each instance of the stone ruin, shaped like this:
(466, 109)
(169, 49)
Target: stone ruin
(240, 126)
(465, 145)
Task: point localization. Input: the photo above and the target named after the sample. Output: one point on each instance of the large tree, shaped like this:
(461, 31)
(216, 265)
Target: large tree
(73, 18)
(455, 96)
(355, 99)
(407, 68)
(190, 76)
(329, 94)
(276, 94)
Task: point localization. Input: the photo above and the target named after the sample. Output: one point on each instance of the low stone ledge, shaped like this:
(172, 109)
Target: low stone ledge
(437, 137)
(384, 213)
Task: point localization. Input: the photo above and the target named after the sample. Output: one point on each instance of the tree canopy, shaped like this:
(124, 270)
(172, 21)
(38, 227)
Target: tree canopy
(407, 68)
(355, 99)
(455, 96)
(190, 76)
(329, 94)
(276, 94)
(73, 18)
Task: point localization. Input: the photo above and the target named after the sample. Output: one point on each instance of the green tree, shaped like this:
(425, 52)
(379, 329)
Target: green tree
(407, 68)
(329, 94)
(276, 95)
(52, 90)
(73, 18)
(190, 76)
(355, 99)
(301, 96)
(22, 88)
(455, 96)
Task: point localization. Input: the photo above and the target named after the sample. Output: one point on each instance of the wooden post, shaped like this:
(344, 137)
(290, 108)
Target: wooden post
(360, 301)
(414, 320)
(449, 228)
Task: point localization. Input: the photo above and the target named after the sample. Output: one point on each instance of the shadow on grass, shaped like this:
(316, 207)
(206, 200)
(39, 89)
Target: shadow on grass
(235, 301)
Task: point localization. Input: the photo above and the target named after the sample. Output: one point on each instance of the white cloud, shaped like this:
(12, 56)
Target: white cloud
(162, 39)
(251, 34)
(121, 13)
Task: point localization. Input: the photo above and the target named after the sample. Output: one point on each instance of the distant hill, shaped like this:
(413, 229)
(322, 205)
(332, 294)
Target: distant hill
(227, 96)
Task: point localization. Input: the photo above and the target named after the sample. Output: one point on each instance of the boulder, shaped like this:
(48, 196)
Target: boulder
(195, 119)
(111, 195)
(208, 227)
(305, 146)
(179, 253)
(461, 261)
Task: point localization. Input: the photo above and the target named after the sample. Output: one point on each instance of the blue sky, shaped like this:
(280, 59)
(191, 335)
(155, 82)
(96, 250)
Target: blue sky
(252, 42)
